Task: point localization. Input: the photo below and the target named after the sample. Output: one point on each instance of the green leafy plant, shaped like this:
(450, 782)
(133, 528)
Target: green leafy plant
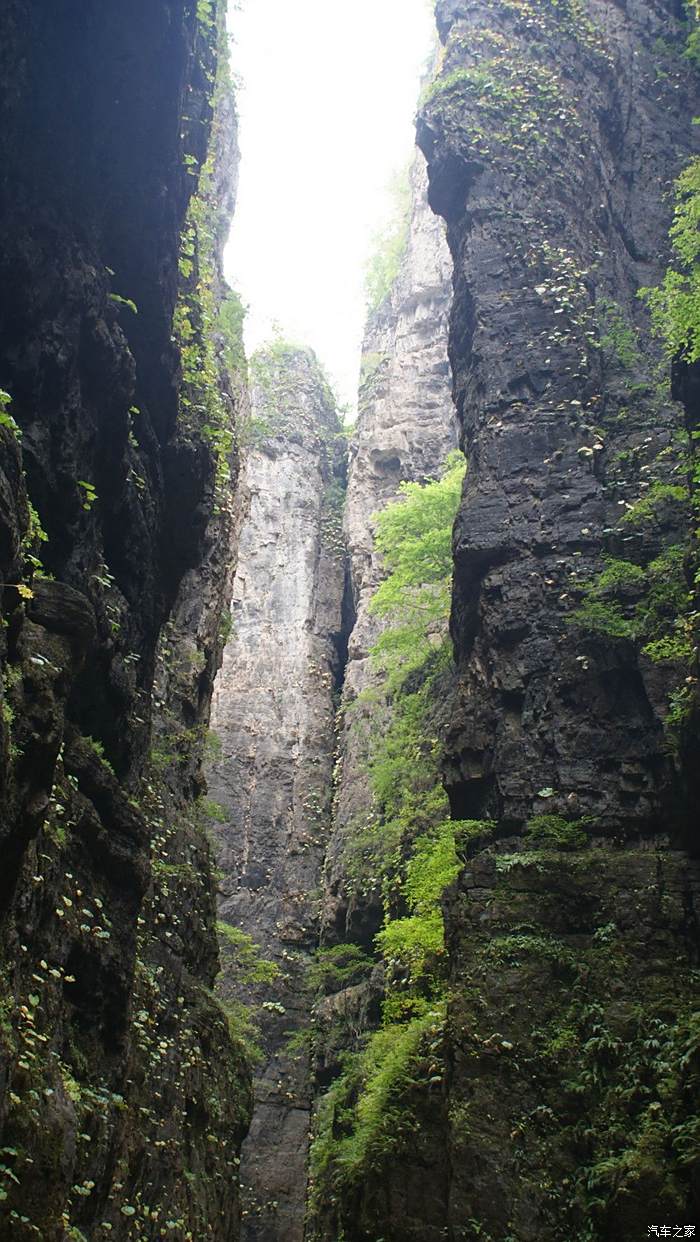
(232, 313)
(646, 605)
(89, 493)
(245, 963)
(364, 1119)
(407, 846)
(563, 834)
(338, 966)
(414, 536)
(126, 302)
(6, 419)
(675, 303)
(654, 503)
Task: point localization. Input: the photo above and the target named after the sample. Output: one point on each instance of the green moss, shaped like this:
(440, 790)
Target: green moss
(652, 507)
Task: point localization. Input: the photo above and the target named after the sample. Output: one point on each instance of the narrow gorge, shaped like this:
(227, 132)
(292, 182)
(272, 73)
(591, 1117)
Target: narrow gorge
(350, 771)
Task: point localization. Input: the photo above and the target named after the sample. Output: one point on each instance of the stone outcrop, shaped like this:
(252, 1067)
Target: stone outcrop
(547, 161)
(123, 1099)
(533, 1074)
(549, 141)
(405, 430)
(273, 717)
(557, 1098)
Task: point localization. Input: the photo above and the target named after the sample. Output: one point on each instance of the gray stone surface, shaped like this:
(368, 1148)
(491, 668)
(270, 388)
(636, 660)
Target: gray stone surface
(273, 713)
(406, 427)
(556, 215)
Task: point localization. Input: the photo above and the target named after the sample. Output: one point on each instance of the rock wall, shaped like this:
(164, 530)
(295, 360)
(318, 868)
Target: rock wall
(557, 1098)
(123, 1099)
(569, 1084)
(273, 715)
(405, 429)
(547, 159)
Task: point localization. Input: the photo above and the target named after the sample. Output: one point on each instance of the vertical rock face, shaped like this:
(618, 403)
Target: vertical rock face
(549, 142)
(550, 136)
(405, 429)
(558, 1097)
(273, 714)
(122, 1097)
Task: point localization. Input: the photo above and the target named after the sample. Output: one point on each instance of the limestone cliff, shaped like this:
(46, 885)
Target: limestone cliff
(549, 141)
(273, 717)
(123, 1098)
(555, 1094)
(405, 429)
(547, 161)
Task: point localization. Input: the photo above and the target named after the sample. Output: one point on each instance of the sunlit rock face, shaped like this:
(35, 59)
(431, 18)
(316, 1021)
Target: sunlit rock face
(273, 716)
(123, 1098)
(406, 427)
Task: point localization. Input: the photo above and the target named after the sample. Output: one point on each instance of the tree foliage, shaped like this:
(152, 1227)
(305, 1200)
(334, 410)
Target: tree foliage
(675, 303)
(245, 963)
(414, 536)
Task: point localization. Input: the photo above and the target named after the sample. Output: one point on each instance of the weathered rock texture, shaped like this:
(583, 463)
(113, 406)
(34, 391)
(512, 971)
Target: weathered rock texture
(549, 143)
(567, 1100)
(550, 139)
(273, 714)
(122, 1098)
(405, 430)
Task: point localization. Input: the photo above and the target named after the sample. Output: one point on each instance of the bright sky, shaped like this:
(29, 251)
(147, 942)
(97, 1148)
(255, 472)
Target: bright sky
(327, 97)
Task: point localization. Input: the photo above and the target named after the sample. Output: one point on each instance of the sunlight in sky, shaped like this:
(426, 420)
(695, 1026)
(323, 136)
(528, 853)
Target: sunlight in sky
(327, 97)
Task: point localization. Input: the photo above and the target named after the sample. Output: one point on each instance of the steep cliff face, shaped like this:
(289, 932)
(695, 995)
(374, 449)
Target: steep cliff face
(554, 1095)
(549, 143)
(122, 1096)
(405, 429)
(273, 717)
(570, 1044)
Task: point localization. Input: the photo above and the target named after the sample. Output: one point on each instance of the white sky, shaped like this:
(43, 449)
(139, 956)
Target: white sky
(327, 96)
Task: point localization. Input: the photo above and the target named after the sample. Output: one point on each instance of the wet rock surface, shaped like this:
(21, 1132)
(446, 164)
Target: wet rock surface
(565, 1100)
(548, 141)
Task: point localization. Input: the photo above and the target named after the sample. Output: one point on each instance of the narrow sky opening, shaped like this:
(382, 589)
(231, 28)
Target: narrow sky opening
(327, 94)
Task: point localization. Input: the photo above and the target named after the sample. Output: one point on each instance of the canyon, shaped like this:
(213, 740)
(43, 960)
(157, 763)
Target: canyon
(349, 782)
